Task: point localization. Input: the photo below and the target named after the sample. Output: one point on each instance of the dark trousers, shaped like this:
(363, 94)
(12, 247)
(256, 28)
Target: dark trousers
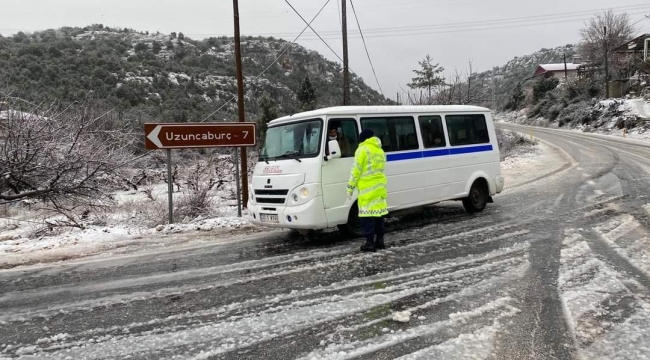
(373, 227)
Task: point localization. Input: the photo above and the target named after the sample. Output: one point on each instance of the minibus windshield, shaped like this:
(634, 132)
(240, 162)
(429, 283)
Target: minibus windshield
(294, 140)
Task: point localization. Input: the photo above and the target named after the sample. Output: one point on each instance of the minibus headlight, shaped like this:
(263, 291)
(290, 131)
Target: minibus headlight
(304, 192)
(295, 197)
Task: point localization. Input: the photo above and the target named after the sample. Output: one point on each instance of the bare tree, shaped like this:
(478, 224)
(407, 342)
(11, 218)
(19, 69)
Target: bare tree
(459, 88)
(59, 157)
(602, 34)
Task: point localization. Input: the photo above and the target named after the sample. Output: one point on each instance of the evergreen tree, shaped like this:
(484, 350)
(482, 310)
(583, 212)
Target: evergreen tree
(517, 98)
(141, 47)
(269, 112)
(543, 85)
(156, 47)
(307, 95)
(428, 77)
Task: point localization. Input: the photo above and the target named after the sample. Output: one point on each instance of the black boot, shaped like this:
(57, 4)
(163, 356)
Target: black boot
(368, 247)
(379, 232)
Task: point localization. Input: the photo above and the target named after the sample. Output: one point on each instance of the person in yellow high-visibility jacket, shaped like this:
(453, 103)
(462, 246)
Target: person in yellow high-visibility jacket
(367, 176)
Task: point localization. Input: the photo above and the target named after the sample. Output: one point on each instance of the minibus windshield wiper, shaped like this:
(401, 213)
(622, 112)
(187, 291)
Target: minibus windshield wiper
(290, 155)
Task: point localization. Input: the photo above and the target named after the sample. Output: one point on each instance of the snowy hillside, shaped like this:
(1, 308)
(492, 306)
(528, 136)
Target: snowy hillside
(165, 76)
(504, 78)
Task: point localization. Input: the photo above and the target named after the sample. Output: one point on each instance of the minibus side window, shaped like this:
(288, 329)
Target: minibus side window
(433, 136)
(347, 134)
(396, 133)
(467, 129)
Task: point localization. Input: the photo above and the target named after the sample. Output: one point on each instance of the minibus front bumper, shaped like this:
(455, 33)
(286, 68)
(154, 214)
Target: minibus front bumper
(308, 216)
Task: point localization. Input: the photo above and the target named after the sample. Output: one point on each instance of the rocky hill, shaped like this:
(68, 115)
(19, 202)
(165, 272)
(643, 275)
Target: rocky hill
(518, 70)
(165, 77)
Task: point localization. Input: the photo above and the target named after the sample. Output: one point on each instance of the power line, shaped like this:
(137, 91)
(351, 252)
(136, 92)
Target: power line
(541, 17)
(312, 29)
(526, 20)
(646, 17)
(338, 12)
(443, 31)
(286, 48)
(366, 47)
(402, 5)
(469, 28)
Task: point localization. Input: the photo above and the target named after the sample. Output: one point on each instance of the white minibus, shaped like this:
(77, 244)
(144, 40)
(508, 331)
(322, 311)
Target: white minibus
(433, 153)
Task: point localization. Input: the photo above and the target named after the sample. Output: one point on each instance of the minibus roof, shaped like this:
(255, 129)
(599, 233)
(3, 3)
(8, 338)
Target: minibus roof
(384, 109)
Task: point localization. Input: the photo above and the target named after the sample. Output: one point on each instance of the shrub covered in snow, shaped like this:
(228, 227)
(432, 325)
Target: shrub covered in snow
(579, 113)
(510, 143)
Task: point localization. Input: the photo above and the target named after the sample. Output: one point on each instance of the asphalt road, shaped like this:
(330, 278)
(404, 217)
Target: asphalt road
(556, 268)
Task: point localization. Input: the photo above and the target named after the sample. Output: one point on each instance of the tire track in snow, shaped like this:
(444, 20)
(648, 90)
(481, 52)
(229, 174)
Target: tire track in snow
(116, 291)
(442, 283)
(603, 241)
(607, 318)
(79, 321)
(258, 326)
(229, 255)
(379, 347)
(368, 323)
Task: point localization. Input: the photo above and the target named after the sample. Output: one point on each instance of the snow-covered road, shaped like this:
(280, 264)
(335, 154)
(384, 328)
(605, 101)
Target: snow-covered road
(557, 268)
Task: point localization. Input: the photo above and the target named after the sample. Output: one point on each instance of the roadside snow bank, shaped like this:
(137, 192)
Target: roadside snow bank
(633, 107)
(607, 117)
(524, 167)
(228, 223)
(23, 247)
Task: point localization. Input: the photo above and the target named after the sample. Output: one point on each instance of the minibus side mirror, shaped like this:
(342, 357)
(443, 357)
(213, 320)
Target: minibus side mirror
(335, 150)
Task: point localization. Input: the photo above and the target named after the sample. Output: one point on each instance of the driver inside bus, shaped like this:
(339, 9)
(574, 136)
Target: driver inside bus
(344, 143)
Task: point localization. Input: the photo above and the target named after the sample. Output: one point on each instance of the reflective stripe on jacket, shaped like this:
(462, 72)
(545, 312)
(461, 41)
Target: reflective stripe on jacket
(368, 177)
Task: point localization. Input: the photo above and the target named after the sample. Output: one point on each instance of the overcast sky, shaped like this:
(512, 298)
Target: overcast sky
(398, 33)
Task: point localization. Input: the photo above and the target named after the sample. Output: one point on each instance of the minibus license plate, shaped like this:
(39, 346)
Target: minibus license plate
(269, 218)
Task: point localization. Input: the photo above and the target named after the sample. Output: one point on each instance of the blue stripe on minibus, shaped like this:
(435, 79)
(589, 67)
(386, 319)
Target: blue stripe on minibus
(440, 152)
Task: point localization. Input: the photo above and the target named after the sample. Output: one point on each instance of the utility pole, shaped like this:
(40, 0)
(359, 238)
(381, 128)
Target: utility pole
(606, 66)
(566, 72)
(240, 106)
(346, 70)
(493, 86)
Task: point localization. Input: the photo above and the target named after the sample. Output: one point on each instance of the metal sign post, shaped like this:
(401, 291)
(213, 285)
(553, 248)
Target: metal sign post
(237, 182)
(199, 135)
(170, 186)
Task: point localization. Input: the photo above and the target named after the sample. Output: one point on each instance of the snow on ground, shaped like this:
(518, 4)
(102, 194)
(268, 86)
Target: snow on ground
(481, 282)
(542, 159)
(135, 221)
(628, 238)
(638, 107)
(608, 320)
(458, 348)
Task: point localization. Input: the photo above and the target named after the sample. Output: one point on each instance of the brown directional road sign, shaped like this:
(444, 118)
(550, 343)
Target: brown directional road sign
(199, 135)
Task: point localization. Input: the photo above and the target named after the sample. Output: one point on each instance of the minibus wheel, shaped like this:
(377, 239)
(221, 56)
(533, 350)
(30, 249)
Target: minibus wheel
(477, 198)
(353, 227)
